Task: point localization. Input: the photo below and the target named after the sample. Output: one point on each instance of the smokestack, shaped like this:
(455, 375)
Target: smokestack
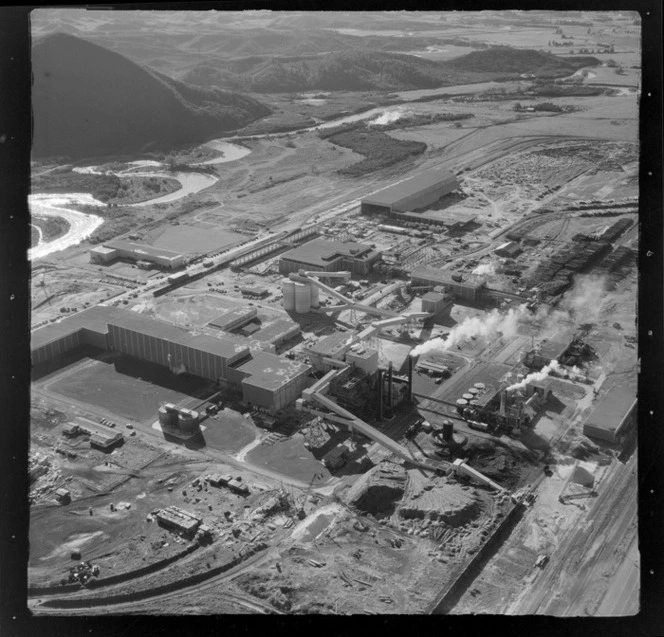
(380, 394)
(411, 364)
(389, 388)
(502, 402)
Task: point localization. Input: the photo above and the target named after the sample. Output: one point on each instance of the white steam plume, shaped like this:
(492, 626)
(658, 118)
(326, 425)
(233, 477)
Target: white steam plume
(553, 366)
(487, 269)
(488, 327)
(387, 118)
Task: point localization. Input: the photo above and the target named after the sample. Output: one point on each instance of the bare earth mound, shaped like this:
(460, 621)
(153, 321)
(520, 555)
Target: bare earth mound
(438, 499)
(378, 491)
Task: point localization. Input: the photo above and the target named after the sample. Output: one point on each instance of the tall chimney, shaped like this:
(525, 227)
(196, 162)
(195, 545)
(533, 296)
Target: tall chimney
(380, 394)
(389, 388)
(411, 364)
(502, 402)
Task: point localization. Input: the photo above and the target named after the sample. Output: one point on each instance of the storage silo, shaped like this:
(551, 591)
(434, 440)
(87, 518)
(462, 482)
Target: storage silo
(288, 290)
(315, 296)
(448, 431)
(167, 417)
(480, 386)
(302, 297)
(461, 404)
(474, 391)
(187, 421)
(468, 397)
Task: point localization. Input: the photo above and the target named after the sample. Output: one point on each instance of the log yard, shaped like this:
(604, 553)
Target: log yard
(334, 313)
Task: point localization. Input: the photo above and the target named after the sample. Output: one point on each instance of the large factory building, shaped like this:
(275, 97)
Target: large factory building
(330, 256)
(266, 380)
(615, 412)
(171, 346)
(417, 192)
(469, 288)
(269, 381)
(121, 249)
(88, 327)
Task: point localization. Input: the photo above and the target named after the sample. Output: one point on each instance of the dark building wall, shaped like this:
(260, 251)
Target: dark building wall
(96, 339)
(287, 266)
(157, 350)
(424, 198)
(56, 347)
(370, 208)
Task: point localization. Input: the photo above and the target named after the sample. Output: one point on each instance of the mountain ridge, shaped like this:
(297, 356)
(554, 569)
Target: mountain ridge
(90, 101)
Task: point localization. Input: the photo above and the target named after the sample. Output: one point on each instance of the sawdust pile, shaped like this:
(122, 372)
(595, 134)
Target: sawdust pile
(379, 490)
(438, 499)
(276, 589)
(582, 447)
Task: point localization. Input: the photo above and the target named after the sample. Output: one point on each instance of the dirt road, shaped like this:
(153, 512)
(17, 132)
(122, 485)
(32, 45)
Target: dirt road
(575, 581)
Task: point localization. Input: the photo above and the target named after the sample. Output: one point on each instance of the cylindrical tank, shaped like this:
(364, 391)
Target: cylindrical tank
(480, 386)
(468, 396)
(448, 431)
(186, 421)
(461, 404)
(474, 391)
(473, 401)
(315, 294)
(167, 417)
(288, 290)
(302, 297)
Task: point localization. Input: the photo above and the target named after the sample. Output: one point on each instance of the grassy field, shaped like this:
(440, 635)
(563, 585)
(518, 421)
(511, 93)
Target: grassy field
(126, 386)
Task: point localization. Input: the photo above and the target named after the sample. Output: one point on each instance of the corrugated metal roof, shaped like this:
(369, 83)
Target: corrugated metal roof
(393, 194)
(320, 252)
(94, 318)
(615, 404)
(332, 344)
(445, 278)
(269, 371)
(277, 330)
(224, 347)
(140, 248)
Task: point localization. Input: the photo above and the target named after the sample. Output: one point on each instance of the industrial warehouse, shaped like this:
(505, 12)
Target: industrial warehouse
(362, 345)
(411, 194)
(278, 380)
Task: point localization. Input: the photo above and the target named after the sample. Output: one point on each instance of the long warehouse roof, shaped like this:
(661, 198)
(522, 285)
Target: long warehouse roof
(95, 318)
(141, 248)
(321, 252)
(271, 372)
(393, 194)
(615, 404)
(224, 347)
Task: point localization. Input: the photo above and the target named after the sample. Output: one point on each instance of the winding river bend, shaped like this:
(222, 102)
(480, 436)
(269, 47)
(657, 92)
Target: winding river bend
(82, 225)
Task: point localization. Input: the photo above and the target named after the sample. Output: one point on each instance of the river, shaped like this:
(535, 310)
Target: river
(83, 225)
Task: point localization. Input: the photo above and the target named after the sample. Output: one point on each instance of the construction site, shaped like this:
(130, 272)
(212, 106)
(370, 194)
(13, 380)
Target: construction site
(401, 395)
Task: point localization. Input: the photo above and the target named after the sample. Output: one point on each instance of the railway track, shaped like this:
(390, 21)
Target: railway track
(84, 605)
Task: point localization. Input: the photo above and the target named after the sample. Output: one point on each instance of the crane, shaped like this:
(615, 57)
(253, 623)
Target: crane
(301, 513)
(573, 496)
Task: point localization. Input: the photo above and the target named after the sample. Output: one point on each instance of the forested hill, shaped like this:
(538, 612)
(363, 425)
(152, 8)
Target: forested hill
(377, 70)
(88, 101)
